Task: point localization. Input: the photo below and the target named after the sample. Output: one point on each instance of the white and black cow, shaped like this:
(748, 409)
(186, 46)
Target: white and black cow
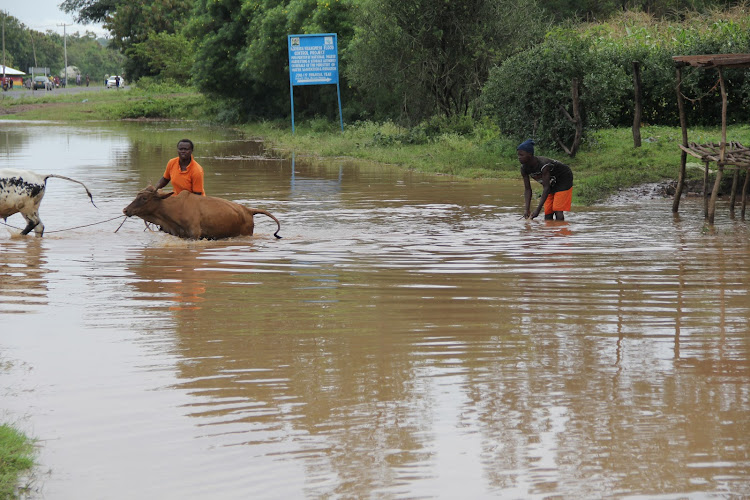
(22, 191)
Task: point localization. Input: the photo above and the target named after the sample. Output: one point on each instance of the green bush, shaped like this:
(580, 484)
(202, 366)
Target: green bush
(524, 95)
(172, 106)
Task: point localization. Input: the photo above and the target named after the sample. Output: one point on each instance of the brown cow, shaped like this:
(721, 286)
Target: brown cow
(189, 215)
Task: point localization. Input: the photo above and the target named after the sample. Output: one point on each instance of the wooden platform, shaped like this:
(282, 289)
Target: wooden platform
(736, 157)
(726, 155)
(736, 154)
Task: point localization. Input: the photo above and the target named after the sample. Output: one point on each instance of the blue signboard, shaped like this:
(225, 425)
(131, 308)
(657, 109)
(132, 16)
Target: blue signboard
(313, 60)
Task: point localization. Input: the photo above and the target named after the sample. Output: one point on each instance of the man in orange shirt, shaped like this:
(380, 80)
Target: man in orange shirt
(183, 171)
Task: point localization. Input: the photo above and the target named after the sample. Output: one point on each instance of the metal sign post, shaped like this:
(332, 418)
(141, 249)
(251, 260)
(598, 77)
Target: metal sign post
(314, 60)
(34, 69)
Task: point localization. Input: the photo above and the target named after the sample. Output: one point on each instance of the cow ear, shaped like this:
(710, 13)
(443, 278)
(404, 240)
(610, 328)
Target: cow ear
(164, 195)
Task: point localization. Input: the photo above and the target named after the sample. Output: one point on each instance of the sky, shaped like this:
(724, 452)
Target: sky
(43, 15)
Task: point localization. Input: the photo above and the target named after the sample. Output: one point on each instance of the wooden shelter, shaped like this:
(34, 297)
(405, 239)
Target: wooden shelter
(727, 156)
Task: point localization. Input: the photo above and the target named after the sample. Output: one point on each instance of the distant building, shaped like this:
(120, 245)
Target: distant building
(13, 74)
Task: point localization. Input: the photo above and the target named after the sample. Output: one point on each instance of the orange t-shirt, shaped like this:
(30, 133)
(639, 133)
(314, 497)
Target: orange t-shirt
(191, 179)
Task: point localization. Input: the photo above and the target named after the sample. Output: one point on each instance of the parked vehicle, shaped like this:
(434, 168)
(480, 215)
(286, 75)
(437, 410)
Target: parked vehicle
(42, 82)
(112, 82)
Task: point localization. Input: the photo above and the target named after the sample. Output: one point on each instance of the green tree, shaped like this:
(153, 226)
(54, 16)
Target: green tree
(90, 11)
(241, 52)
(166, 55)
(26, 48)
(415, 59)
(525, 93)
(137, 28)
(136, 23)
(529, 94)
(93, 56)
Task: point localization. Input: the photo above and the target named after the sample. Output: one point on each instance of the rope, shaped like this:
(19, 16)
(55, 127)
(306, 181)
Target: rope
(693, 101)
(70, 228)
(145, 222)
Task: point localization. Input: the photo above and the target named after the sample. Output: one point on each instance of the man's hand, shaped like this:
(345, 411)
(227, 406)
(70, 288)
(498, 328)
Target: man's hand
(535, 214)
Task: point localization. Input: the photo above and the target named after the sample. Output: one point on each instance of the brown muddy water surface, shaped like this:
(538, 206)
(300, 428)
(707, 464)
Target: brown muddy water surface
(409, 337)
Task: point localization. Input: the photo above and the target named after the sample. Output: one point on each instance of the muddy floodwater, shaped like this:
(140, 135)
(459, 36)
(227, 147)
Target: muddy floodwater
(409, 337)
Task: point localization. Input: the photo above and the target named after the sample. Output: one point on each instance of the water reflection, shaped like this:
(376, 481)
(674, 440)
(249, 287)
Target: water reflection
(23, 274)
(410, 336)
(172, 272)
(314, 187)
(12, 140)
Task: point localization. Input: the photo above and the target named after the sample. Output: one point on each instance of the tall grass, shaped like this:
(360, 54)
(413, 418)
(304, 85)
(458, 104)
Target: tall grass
(16, 456)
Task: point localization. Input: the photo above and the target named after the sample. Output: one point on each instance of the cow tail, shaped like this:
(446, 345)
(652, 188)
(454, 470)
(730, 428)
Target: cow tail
(264, 212)
(72, 180)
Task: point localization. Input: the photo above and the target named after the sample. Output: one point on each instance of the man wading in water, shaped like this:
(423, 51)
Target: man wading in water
(556, 179)
(184, 172)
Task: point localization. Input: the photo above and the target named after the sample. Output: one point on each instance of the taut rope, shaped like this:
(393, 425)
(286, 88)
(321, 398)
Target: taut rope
(70, 228)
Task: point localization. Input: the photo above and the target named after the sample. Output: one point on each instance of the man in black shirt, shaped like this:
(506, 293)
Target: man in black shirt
(556, 179)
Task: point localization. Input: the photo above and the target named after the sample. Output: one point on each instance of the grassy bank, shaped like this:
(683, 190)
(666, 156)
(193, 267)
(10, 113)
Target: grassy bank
(16, 456)
(606, 162)
(158, 102)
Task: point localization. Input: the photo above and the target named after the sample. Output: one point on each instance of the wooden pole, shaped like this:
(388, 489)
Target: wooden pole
(733, 194)
(705, 191)
(638, 111)
(575, 120)
(723, 154)
(576, 116)
(723, 150)
(715, 194)
(683, 157)
(744, 191)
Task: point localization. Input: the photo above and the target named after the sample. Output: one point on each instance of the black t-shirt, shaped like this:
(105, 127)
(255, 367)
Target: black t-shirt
(561, 176)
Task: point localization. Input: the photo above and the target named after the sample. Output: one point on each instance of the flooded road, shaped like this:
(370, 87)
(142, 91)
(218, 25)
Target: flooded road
(409, 337)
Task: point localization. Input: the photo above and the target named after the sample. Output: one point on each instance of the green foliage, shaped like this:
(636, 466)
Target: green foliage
(593, 10)
(528, 92)
(90, 11)
(16, 456)
(144, 32)
(411, 60)
(159, 107)
(429, 131)
(92, 58)
(245, 43)
(157, 85)
(167, 56)
(26, 48)
(525, 93)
